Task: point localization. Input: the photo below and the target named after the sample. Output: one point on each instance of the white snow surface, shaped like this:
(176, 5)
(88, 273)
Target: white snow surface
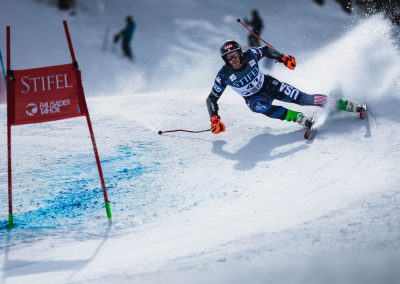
(256, 204)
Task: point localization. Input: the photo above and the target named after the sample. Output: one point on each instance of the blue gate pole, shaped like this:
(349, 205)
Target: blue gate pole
(2, 67)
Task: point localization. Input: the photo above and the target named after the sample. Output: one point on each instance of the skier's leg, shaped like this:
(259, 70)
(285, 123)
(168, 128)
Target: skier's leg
(348, 106)
(287, 93)
(262, 104)
(127, 49)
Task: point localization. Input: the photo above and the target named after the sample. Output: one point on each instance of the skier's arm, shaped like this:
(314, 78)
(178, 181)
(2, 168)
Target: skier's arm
(212, 104)
(215, 94)
(124, 32)
(288, 60)
(217, 126)
(272, 53)
(249, 22)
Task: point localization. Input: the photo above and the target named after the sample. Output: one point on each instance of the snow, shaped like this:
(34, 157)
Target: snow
(256, 204)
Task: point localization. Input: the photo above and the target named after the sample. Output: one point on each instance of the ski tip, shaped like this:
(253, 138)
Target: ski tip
(307, 134)
(160, 132)
(363, 111)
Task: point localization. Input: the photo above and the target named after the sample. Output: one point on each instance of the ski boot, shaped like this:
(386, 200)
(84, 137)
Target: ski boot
(350, 106)
(304, 120)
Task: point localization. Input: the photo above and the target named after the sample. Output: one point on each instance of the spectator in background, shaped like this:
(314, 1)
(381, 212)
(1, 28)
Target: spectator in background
(257, 25)
(345, 4)
(66, 5)
(126, 34)
(390, 8)
(320, 2)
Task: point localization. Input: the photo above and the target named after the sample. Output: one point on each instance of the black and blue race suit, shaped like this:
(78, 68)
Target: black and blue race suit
(259, 90)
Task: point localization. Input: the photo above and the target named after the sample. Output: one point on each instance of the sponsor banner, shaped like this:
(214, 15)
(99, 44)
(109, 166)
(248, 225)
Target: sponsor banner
(45, 94)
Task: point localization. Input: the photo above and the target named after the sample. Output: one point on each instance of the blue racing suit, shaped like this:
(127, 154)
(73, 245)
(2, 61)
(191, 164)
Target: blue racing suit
(257, 89)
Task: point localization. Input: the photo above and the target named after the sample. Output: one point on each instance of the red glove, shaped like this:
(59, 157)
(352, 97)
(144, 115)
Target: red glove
(217, 126)
(289, 61)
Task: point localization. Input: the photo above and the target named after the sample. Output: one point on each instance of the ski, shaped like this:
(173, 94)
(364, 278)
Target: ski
(310, 131)
(362, 110)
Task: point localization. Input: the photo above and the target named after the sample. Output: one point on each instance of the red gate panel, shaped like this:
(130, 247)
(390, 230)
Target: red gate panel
(45, 94)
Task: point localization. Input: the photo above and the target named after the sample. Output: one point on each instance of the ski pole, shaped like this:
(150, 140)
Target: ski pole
(253, 33)
(183, 130)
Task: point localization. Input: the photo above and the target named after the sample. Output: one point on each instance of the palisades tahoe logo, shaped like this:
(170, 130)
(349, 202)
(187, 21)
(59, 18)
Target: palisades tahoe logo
(31, 109)
(50, 107)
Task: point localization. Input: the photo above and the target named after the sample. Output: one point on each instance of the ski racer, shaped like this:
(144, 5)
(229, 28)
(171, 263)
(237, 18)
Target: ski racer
(241, 71)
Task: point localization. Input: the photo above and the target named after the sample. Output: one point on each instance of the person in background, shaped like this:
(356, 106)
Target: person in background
(67, 5)
(257, 26)
(126, 35)
(345, 4)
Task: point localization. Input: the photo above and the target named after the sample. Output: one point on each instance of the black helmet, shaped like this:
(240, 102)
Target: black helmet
(229, 46)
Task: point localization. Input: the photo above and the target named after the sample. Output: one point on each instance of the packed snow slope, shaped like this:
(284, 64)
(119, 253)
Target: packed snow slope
(256, 204)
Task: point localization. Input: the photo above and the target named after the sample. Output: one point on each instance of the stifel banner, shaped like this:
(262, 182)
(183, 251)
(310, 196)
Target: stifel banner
(45, 94)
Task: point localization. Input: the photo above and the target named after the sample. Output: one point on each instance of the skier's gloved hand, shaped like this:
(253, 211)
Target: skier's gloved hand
(289, 61)
(217, 126)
